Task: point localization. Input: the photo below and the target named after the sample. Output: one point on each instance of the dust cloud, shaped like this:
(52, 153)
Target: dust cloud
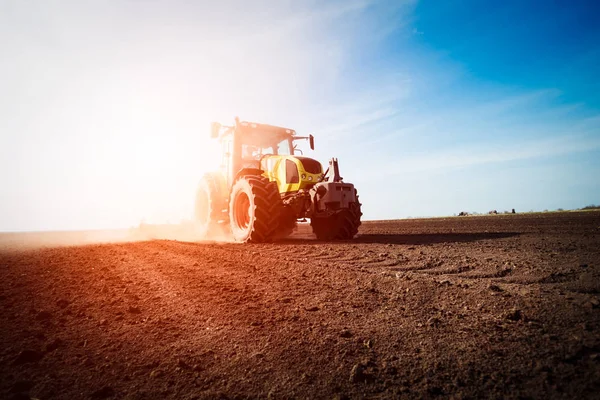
(32, 240)
(185, 232)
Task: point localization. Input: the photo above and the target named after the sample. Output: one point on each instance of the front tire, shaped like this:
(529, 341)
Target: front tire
(254, 209)
(342, 225)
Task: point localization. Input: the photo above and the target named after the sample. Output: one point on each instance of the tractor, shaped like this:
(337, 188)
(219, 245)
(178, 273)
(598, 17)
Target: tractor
(263, 188)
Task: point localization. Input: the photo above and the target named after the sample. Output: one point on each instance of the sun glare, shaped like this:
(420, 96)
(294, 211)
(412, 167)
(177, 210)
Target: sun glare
(126, 134)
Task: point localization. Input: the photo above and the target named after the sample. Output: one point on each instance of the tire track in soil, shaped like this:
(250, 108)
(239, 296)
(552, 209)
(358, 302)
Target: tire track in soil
(477, 267)
(233, 253)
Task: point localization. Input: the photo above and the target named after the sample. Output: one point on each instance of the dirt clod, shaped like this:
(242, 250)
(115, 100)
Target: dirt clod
(28, 356)
(357, 374)
(103, 393)
(62, 303)
(134, 310)
(157, 373)
(495, 288)
(53, 345)
(514, 315)
(346, 333)
(21, 386)
(43, 316)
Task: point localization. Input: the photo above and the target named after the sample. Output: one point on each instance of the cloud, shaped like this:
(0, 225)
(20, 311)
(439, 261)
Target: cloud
(481, 154)
(515, 117)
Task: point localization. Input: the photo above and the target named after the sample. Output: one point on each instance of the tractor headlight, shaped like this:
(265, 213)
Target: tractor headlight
(303, 176)
(310, 178)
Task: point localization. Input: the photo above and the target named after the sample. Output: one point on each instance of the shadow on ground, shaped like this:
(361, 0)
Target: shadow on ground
(369, 238)
(410, 239)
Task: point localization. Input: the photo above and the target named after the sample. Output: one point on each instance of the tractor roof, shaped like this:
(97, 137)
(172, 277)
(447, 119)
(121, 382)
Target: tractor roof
(268, 128)
(263, 134)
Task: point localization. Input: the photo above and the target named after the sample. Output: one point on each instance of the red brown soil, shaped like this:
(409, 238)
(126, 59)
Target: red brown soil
(494, 306)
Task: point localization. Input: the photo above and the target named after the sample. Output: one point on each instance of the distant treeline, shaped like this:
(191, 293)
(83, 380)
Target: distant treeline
(591, 207)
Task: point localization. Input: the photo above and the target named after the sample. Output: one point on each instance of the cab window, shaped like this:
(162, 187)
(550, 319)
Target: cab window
(283, 148)
(291, 172)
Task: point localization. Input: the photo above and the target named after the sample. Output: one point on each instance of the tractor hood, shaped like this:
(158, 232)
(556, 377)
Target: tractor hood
(310, 165)
(307, 164)
(292, 173)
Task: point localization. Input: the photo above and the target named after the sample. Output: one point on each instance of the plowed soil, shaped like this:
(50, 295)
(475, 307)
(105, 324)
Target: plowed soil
(463, 307)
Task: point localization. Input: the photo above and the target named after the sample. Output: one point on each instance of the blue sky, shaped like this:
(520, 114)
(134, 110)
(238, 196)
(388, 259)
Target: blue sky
(431, 107)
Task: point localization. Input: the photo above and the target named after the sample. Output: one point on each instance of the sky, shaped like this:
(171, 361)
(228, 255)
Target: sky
(431, 107)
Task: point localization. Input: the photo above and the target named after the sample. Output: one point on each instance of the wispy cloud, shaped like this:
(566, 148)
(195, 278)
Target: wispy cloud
(515, 117)
(481, 154)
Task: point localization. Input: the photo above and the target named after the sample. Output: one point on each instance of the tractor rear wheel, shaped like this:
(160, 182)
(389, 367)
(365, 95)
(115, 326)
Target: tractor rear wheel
(342, 225)
(254, 209)
(209, 206)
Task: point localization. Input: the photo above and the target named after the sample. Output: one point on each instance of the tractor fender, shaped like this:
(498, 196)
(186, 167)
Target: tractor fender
(248, 171)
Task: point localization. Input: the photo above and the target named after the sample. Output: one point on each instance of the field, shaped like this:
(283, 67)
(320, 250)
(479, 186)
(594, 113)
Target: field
(503, 306)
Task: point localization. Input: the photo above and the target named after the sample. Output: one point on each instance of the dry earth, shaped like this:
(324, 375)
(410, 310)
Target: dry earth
(494, 306)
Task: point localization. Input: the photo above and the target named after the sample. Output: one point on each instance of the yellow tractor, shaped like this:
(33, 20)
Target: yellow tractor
(263, 188)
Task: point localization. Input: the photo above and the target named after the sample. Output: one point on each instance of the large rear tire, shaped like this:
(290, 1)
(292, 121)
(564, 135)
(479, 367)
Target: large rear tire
(254, 209)
(342, 225)
(209, 206)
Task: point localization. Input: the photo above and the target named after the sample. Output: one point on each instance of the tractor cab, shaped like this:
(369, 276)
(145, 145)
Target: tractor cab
(271, 149)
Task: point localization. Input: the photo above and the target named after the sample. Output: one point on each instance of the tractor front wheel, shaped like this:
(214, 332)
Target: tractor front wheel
(342, 225)
(254, 209)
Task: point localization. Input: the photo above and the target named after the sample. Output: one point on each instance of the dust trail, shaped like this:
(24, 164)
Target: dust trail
(32, 240)
(184, 232)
